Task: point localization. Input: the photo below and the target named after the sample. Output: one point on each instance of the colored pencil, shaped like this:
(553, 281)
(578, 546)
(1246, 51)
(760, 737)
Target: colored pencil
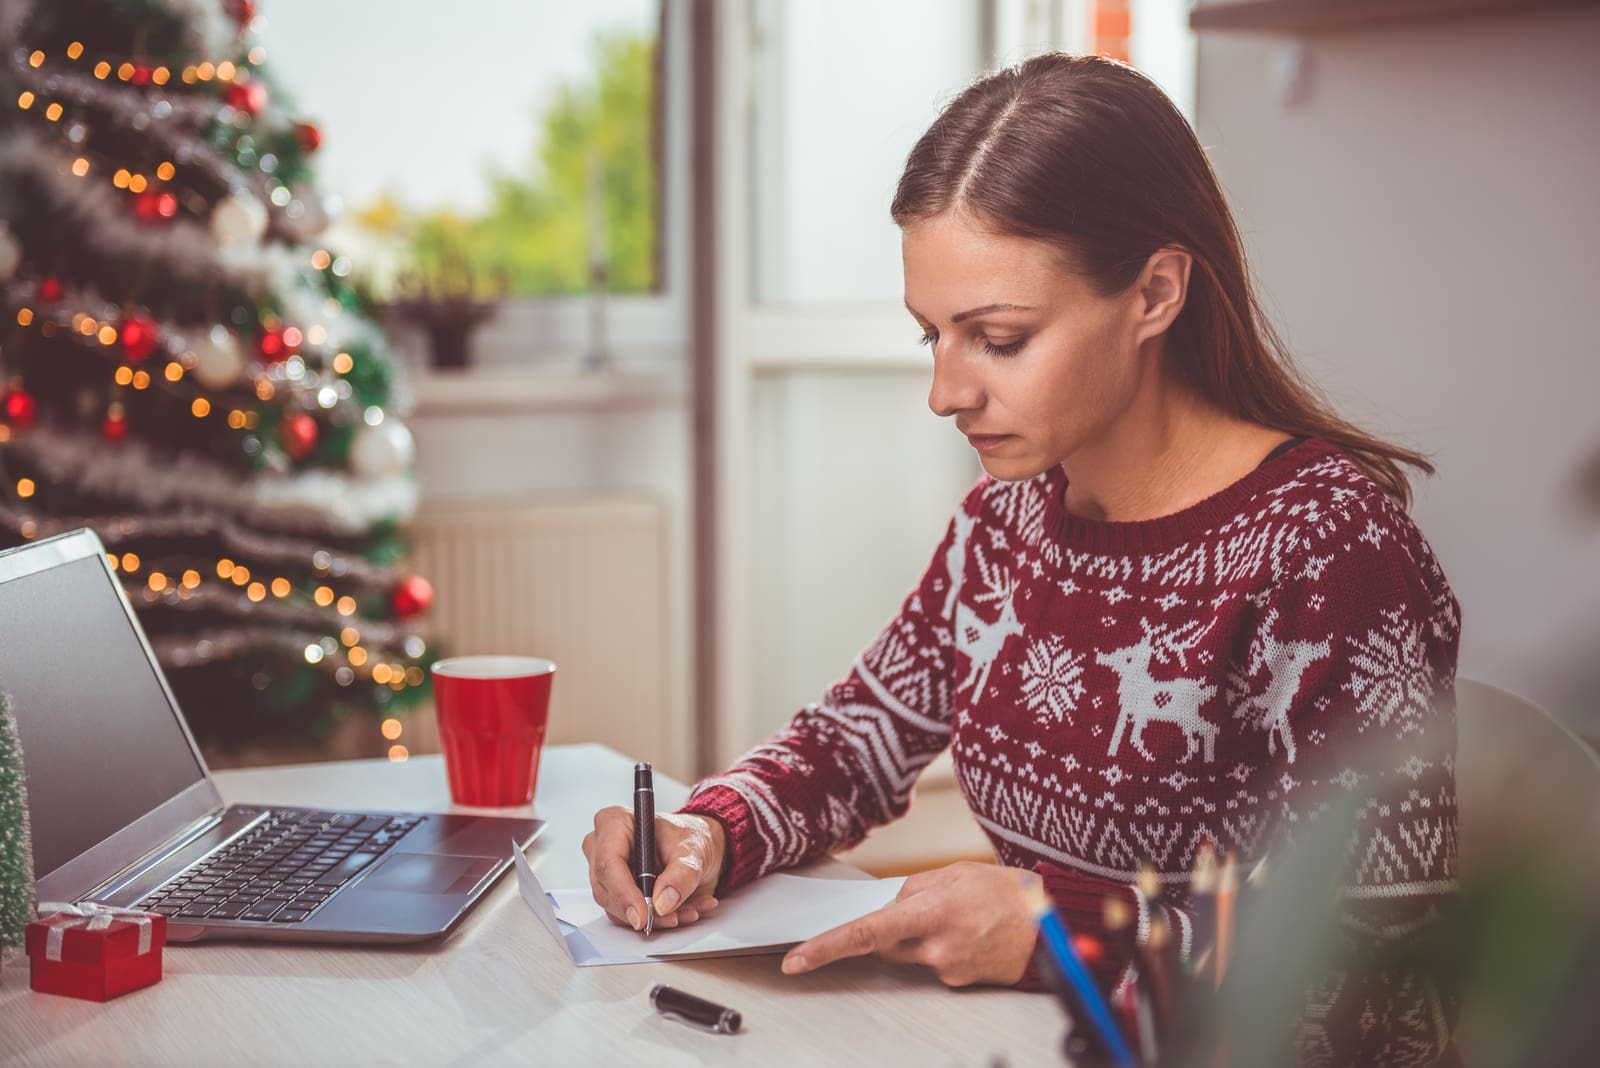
(1227, 892)
(1258, 875)
(1148, 880)
(1118, 918)
(1153, 957)
(1141, 1022)
(1058, 945)
(1203, 904)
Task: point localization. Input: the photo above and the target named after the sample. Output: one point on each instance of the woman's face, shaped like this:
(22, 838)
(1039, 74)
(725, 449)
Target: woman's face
(1032, 364)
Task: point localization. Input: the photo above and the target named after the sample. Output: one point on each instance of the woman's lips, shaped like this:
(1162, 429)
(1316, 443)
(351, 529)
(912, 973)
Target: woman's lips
(988, 442)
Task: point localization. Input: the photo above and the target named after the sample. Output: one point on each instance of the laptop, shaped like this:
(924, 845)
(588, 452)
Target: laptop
(124, 811)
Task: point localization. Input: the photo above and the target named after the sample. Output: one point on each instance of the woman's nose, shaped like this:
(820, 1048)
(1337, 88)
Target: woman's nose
(955, 387)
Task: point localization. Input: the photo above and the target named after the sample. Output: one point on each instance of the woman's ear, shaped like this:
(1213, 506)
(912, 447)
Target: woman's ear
(1163, 287)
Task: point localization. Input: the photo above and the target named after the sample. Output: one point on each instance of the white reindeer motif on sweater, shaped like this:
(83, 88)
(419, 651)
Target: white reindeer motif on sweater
(977, 637)
(1176, 701)
(955, 557)
(1287, 663)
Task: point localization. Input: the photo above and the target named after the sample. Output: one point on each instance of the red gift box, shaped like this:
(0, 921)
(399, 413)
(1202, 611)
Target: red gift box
(94, 952)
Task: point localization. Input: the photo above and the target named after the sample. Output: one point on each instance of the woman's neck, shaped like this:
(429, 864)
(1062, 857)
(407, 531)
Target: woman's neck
(1172, 449)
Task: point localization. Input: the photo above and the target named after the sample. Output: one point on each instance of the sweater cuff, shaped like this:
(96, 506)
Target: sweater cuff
(1081, 900)
(741, 862)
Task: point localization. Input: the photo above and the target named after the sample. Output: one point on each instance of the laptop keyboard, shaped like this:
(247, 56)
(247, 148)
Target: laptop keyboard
(282, 869)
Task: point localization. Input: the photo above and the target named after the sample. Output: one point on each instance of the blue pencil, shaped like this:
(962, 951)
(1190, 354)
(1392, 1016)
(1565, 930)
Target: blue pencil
(1058, 941)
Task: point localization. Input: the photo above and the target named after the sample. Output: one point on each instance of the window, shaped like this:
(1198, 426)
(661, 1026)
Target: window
(515, 152)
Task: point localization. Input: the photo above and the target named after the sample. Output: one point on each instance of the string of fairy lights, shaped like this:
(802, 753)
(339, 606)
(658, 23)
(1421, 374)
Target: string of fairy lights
(147, 354)
(180, 161)
(84, 84)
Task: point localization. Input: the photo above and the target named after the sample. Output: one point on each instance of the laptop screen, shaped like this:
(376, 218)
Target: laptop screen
(101, 744)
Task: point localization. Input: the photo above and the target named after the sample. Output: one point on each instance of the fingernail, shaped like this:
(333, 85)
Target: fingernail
(633, 917)
(667, 900)
(793, 965)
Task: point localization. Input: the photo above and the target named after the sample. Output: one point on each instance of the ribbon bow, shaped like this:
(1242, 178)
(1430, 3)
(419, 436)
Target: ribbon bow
(63, 917)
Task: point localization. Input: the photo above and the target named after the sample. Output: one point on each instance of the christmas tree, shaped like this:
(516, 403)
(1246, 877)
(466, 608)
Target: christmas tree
(187, 371)
(16, 861)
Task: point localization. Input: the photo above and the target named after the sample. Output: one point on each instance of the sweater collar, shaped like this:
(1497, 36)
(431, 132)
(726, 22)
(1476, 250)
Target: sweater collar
(1169, 531)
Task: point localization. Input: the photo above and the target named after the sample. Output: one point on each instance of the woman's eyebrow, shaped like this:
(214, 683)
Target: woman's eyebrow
(991, 308)
(979, 311)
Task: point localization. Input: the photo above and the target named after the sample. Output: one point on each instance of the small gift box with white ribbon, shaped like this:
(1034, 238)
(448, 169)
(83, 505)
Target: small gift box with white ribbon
(94, 951)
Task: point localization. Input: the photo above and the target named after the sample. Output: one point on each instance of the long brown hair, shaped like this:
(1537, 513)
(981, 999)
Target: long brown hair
(1089, 155)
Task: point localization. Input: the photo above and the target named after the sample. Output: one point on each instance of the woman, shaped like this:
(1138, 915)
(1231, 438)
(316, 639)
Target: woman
(1184, 598)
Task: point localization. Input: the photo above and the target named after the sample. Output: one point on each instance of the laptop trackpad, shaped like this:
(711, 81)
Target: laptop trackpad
(428, 873)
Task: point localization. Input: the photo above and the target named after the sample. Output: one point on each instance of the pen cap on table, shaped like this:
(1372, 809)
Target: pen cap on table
(493, 711)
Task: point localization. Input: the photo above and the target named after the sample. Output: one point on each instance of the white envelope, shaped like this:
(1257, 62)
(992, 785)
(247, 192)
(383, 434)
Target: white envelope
(767, 916)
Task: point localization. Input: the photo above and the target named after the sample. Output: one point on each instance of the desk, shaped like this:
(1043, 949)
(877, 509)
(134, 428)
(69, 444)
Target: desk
(499, 989)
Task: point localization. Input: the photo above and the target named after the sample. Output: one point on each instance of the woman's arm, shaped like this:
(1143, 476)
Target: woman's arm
(847, 765)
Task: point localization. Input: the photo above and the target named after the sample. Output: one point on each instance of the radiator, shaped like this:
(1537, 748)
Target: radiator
(581, 581)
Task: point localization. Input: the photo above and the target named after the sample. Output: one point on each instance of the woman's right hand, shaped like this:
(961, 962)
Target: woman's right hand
(691, 849)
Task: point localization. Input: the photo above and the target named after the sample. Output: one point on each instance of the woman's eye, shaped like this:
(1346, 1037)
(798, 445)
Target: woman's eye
(1008, 349)
(928, 338)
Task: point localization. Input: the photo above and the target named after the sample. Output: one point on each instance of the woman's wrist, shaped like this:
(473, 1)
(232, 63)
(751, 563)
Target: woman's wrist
(720, 858)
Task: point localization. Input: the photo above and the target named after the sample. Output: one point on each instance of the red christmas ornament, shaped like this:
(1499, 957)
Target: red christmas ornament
(299, 433)
(272, 345)
(412, 597)
(115, 428)
(17, 408)
(249, 97)
(50, 288)
(310, 137)
(155, 205)
(139, 334)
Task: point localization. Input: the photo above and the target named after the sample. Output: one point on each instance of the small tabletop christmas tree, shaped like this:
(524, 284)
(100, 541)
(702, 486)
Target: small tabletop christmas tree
(16, 861)
(186, 370)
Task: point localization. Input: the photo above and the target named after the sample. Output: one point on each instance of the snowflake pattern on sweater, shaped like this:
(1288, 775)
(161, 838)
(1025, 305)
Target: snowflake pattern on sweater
(1116, 692)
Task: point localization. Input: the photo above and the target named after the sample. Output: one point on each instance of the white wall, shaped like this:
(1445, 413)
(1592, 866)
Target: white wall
(563, 442)
(1425, 223)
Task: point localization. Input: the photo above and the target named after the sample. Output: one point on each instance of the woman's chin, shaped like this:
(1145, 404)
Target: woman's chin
(1010, 469)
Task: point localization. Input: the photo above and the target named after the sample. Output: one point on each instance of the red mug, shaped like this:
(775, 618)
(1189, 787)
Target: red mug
(492, 716)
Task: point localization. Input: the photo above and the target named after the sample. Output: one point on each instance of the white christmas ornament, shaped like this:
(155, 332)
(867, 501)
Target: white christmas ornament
(385, 449)
(239, 219)
(218, 360)
(10, 252)
(306, 216)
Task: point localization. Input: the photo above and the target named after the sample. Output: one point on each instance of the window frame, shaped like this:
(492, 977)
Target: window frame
(641, 330)
(774, 338)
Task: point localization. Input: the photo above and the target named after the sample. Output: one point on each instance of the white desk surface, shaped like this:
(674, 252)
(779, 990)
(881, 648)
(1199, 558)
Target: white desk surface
(499, 989)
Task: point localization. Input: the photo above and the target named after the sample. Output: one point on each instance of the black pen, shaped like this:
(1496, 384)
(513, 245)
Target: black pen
(644, 839)
(678, 1005)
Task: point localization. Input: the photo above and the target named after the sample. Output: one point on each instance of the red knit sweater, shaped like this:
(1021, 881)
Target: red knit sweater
(1115, 692)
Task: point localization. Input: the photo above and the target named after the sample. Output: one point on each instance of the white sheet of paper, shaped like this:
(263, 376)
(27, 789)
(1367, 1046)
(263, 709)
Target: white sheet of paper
(769, 915)
(576, 942)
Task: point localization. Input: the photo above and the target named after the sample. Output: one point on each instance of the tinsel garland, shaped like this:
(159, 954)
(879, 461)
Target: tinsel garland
(310, 502)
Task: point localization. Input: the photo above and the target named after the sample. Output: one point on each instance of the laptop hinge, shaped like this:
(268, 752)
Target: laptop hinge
(169, 848)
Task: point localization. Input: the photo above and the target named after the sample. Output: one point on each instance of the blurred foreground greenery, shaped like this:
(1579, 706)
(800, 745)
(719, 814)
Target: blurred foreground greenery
(1519, 942)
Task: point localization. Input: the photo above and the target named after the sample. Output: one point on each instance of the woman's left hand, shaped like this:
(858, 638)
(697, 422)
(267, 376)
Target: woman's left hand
(968, 922)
